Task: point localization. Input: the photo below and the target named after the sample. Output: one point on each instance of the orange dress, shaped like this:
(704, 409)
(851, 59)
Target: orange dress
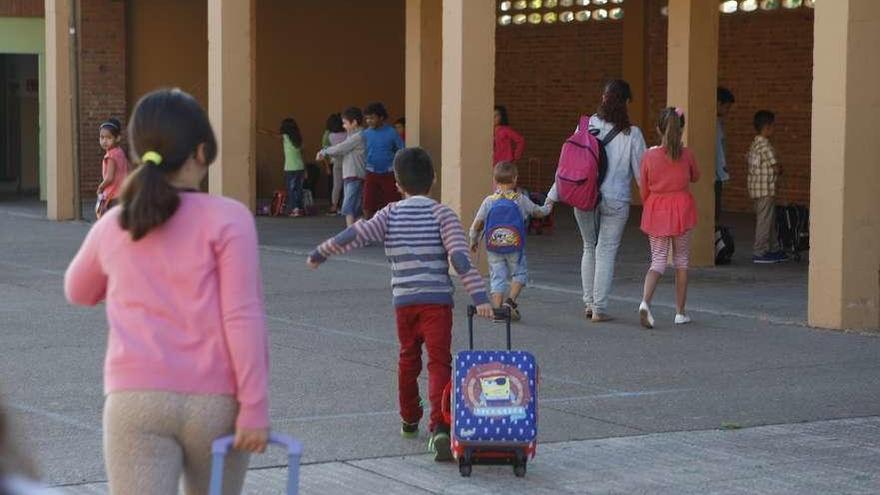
(669, 208)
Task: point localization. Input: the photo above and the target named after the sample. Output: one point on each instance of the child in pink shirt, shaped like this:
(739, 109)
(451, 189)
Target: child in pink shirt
(187, 353)
(114, 167)
(669, 212)
(509, 145)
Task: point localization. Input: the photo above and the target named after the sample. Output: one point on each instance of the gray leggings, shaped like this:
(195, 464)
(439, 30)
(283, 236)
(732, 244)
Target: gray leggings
(152, 437)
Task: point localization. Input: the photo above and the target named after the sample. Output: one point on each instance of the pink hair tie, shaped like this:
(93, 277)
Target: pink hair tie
(679, 112)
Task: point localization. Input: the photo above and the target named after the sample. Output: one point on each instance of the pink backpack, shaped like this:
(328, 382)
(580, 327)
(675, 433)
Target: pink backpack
(582, 167)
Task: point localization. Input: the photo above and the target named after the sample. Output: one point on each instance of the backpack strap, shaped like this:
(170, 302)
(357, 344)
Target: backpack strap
(584, 123)
(610, 136)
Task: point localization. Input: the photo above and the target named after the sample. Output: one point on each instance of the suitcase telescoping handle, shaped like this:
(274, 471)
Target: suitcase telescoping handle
(472, 311)
(221, 446)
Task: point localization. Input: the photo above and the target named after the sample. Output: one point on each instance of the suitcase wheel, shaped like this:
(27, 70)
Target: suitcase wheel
(519, 466)
(464, 468)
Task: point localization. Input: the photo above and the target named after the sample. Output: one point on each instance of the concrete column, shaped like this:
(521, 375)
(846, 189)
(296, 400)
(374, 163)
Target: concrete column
(635, 72)
(635, 31)
(59, 136)
(693, 79)
(468, 99)
(844, 290)
(231, 98)
(424, 47)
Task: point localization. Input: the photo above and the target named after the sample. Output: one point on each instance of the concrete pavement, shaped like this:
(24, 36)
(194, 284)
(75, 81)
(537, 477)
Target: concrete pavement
(747, 360)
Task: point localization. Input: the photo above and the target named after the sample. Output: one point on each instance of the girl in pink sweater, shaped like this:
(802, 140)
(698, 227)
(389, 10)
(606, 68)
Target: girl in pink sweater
(187, 354)
(669, 212)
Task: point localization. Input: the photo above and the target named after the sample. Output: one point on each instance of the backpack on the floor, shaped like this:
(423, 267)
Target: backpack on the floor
(505, 227)
(793, 229)
(279, 198)
(724, 247)
(582, 166)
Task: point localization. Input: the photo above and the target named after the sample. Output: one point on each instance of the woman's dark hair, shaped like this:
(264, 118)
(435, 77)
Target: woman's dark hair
(763, 118)
(170, 123)
(353, 114)
(671, 124)
(725, 96)
(377, 109)
(113, 125)
(334, 123)
(612, 108)
(502, 115)
(290, 129)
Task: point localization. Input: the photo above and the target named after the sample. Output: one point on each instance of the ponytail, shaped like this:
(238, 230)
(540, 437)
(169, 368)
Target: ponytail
(148, 200)
(167, 129)
(671, 124)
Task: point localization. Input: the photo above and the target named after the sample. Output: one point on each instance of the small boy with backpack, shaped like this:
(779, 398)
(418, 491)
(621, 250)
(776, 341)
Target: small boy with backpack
(503, 216)
(422, 239)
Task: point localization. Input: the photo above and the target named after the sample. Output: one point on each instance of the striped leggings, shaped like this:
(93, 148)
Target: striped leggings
(660, 251)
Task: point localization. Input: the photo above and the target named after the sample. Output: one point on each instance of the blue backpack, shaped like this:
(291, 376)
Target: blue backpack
(505, 226)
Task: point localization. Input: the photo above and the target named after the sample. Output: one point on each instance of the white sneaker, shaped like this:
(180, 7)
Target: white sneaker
(645, 315)
(682, 319)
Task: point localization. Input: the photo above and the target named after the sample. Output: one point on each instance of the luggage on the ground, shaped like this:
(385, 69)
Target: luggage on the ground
(539, 226)
(724, 246)
(494, 413)
(279, 198)
(505, 226)
(793, 228)
(221, 447)
(309, 207)
(582, 166)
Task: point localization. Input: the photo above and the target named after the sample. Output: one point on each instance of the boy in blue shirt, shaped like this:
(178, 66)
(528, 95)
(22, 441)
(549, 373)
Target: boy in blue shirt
(383, 142)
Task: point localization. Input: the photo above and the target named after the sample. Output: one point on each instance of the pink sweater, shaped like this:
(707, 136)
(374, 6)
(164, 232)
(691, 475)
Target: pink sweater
(184, 304)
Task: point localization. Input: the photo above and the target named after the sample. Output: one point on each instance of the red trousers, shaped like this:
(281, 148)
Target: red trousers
(431, 325)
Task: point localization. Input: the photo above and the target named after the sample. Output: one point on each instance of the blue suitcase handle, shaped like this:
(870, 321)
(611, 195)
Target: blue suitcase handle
(503, 312)
(221, 446)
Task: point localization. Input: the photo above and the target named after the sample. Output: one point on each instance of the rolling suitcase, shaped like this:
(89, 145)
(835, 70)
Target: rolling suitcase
(221, 446)
(494, 414)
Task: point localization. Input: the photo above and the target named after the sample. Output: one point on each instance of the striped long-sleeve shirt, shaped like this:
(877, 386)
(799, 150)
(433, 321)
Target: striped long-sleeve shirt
(422, 237)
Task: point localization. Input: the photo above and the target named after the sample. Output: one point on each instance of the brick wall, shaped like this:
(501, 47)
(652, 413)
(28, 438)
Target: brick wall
(547, 75)
(766, 60)
(21, 8)
(102, 81)
(101, 70)
(544, 76)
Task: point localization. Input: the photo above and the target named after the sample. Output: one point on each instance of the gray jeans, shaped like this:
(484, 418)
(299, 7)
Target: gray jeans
(601, 230)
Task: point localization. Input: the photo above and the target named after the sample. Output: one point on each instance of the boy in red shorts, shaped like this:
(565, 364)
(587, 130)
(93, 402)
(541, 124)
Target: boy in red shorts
(383, 142)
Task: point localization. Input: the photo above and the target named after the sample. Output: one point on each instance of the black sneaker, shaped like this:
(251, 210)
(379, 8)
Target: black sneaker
(409, 430)
(440, 444)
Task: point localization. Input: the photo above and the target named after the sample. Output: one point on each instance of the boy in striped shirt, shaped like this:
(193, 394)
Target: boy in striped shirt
(422, 238)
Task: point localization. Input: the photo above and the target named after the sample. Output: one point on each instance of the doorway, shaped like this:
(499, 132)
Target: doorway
(19, 124)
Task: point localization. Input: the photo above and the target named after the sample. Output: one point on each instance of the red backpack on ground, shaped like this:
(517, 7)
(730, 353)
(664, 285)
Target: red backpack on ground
(582, 167)
(279, 198)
